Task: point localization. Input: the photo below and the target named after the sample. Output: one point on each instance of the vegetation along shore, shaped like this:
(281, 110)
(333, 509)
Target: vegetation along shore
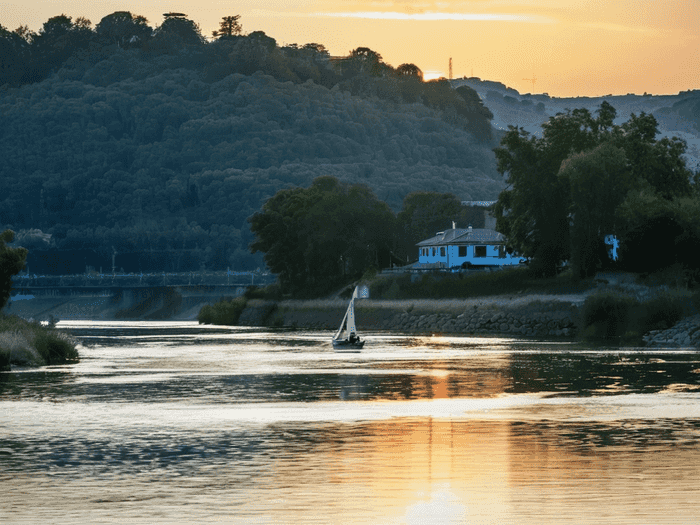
(613, 308)
(26, 343)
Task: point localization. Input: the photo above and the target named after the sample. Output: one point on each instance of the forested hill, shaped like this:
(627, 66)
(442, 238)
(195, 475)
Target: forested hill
(160, 152)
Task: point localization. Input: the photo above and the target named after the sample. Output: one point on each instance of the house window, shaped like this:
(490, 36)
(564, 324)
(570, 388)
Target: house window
(462, 251)
(502, 252)
(433, 252)
(479, 251)
(442, 251)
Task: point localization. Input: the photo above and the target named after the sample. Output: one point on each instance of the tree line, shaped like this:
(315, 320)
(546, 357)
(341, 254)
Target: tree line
(154, 145)
(586, 178)
(322, 236)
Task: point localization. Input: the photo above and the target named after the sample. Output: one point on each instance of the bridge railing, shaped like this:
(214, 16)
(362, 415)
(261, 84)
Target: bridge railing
(143, 279)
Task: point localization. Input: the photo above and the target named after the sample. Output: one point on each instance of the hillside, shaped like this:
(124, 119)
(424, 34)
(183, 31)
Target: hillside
(677, 115)
(151, 147)
(160, 156)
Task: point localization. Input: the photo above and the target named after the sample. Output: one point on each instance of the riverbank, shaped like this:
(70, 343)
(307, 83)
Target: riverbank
(31, 344)
(533, 315)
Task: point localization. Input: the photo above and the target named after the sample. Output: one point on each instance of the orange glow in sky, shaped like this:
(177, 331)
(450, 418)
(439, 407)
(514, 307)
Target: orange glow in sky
(572, 48)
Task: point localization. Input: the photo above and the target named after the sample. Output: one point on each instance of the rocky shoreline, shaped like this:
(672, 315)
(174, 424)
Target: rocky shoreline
(536, 317)
(551, 317)
(685, 334)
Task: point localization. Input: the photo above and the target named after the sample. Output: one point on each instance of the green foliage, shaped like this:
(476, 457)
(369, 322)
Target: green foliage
(224, 312)
(477, 284)
(27, 343)
(607, 315)
(130, 147)
(11, 262)
(228, 27)
(271, 292)
(315, 238)
(176, 31)
(410, 70)
(424, 213)
(566, 188)
(616, 316)
(656, 233)
(124, 30)
(665, 310)
(597, 180)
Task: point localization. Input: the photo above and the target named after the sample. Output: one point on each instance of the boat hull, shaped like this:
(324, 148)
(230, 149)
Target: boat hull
(344, 344)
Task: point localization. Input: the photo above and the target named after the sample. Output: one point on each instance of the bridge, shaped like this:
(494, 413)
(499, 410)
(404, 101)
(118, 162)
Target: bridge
(101, 284)
(126, 296)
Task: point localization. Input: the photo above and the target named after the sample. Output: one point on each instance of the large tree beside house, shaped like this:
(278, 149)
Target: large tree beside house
(318, 237)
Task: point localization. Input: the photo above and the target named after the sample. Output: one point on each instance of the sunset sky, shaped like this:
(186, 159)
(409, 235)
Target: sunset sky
(572, 47)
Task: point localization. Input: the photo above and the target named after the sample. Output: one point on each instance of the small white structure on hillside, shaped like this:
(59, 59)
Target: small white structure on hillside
(465, 248)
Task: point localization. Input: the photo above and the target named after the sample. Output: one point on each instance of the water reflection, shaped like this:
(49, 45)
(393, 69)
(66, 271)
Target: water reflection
(181, 423)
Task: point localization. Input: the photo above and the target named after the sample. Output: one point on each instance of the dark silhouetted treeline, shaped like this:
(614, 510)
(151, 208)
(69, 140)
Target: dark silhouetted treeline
(153, 145)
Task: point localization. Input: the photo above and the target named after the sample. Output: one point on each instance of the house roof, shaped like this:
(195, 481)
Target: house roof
(464, 236)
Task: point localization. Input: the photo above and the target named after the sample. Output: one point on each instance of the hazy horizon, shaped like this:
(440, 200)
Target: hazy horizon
(631, 46)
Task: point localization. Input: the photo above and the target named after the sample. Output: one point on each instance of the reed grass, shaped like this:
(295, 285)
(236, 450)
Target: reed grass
(28, 343)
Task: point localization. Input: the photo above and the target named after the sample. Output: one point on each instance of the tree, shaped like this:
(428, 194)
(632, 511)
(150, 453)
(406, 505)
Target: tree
(364, 60)
(532, 211)
(124, 29)
(409, 70)
(14, 50)
(58, 39)
(177, 30)
(425, 212)
(565, 187)
(315, 238)
(598, 181)
(11, 262)
(228, 27)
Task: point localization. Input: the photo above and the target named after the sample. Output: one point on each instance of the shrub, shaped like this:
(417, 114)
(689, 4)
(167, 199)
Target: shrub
(27, 343)
(610, 315)
(224, 312)
(665, 310)
(607, 315)
(54, 348)
(473, 284)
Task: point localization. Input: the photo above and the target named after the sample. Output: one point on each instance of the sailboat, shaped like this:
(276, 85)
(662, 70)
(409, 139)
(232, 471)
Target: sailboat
(346, 337)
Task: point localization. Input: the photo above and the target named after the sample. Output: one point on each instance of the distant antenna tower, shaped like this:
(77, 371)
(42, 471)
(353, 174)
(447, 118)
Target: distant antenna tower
(533, 79)
(450, 68)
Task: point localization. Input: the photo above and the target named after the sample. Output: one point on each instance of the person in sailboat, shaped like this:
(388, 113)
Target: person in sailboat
(353, 338)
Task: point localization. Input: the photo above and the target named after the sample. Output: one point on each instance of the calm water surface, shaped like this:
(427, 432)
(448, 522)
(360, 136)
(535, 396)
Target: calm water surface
(180, 423)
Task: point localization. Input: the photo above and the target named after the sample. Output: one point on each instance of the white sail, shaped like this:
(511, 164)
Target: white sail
(348, 322)
(342, 325)
(351, 317)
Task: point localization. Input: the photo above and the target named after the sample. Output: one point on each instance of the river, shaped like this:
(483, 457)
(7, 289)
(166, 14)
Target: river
(172, 422)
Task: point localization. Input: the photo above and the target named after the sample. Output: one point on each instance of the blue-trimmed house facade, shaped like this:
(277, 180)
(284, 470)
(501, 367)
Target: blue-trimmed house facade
(465, 248)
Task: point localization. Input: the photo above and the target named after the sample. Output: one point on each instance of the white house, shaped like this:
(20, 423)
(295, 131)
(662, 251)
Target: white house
(466, 247)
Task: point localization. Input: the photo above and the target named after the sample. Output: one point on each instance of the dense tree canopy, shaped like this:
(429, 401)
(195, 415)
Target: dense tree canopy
(315, 238)
(161, 152)
(124, 29)
(565, 189)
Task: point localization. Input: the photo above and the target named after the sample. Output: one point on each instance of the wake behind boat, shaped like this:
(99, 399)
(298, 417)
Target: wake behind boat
(346, 338)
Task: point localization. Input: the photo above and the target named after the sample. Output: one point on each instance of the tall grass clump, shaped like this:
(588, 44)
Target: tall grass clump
(25, 343)
(607, 315)
(223, 312)
(615, 316)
